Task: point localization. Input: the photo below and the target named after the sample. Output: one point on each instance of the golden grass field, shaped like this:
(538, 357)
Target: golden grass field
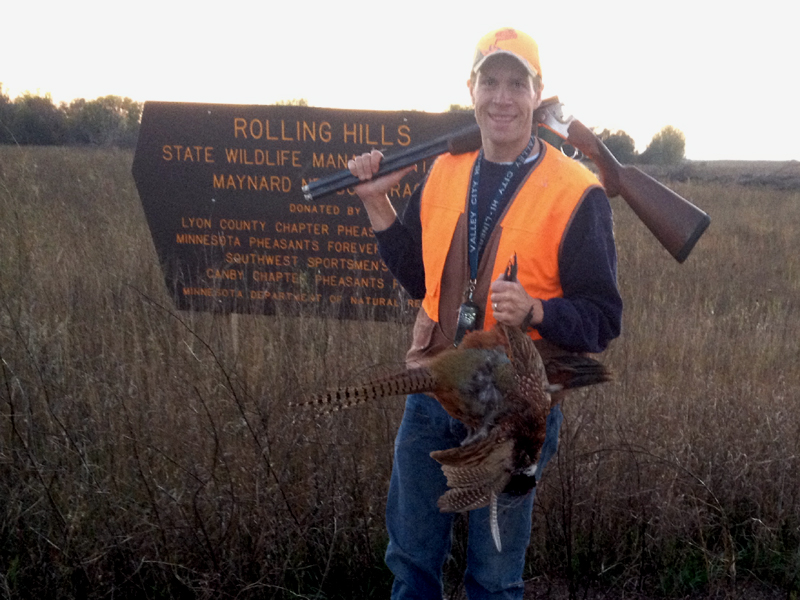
(146, 453)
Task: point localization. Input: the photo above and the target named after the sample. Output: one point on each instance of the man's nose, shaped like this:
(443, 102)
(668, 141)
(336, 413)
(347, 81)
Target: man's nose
(503, 94)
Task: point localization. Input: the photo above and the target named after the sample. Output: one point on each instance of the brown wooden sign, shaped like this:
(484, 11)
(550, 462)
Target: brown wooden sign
(221, 190)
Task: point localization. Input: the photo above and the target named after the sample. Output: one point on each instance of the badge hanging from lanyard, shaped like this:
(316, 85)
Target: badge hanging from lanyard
(470, 317)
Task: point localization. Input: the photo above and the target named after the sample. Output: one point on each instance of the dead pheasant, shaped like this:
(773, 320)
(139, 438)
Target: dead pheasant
(497, 384)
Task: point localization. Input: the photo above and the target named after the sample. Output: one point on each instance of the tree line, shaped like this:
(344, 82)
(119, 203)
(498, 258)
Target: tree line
(35, 120)
(114, 121)
(667, 147)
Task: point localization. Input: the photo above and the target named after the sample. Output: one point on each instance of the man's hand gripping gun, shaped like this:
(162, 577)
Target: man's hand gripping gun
(676, 222)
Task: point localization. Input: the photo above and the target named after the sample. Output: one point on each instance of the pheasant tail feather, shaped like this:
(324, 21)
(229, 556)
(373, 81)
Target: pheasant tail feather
(412, 381)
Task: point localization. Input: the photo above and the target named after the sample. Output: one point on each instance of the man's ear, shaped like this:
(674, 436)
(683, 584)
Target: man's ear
(471, 86)
(539, 97)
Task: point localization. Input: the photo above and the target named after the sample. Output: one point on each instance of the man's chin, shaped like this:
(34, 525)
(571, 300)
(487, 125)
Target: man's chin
(504, 138)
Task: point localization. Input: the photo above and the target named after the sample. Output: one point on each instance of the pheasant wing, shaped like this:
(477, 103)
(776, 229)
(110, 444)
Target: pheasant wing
(475, 471)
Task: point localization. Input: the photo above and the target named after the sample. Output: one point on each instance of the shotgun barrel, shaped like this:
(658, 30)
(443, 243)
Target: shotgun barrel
(463, 140)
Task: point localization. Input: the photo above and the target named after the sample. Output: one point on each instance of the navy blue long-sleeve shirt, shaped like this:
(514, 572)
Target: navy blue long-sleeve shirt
(589, 314)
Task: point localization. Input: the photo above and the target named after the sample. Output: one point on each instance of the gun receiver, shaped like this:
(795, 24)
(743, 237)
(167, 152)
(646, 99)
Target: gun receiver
(676, 223)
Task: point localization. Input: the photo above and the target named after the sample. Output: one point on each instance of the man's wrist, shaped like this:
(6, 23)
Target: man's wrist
(380, 212)
(529, 322)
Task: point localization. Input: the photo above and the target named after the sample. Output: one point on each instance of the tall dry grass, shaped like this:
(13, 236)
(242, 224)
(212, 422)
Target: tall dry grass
(149, 453)
(683, 475)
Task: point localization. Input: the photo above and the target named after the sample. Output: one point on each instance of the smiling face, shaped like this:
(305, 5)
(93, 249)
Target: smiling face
(504, 97)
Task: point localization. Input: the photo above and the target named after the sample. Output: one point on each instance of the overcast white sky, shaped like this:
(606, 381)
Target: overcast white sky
(724, 73)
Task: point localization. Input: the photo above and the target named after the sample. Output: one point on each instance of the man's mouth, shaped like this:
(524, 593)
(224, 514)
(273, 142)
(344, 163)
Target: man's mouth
(499, 118)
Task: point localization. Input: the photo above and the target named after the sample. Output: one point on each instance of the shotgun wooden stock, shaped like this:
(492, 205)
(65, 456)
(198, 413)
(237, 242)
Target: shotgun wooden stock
(676, 222)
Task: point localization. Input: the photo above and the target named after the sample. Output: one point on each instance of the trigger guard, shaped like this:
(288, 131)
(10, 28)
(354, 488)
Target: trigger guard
(575, 154)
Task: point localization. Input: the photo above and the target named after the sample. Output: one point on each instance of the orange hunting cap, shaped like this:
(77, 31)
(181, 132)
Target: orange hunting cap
(512, 42)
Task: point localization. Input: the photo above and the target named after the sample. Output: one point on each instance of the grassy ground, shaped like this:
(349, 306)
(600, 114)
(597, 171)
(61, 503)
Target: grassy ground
(148, 453)
(782, 175)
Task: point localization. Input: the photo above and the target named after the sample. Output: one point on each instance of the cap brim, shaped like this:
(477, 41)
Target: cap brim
(521, 60)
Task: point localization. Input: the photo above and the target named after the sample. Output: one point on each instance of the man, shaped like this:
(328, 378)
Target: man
(474, 212)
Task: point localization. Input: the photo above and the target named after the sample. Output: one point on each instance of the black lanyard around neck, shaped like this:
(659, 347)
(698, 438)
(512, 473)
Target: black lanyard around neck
(475, 242)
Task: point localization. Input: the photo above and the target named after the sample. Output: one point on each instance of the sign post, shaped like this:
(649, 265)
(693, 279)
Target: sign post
(221, 190)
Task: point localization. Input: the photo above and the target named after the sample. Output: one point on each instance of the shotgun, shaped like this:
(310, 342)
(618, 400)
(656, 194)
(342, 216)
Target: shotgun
(676, 223)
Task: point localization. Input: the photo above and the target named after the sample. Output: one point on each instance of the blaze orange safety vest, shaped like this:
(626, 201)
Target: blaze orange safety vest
(531, 226)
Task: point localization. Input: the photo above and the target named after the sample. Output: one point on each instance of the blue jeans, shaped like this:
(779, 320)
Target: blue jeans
(420, 535)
